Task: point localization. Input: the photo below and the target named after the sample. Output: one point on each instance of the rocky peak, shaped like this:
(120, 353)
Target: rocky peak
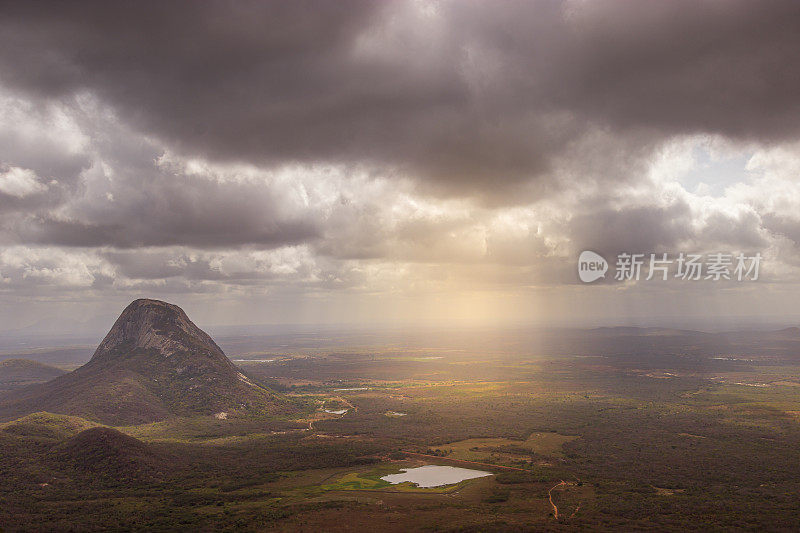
(153, 324)
(153, 364)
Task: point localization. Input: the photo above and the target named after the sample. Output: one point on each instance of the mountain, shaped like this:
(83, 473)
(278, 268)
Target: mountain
(15, 373)
(153, 364)
(105, 454)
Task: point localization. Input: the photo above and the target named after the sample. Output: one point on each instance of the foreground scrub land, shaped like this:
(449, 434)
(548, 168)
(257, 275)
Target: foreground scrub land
(603, 440)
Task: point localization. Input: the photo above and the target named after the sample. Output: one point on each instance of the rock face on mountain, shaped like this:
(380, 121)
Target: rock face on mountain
(159, 326)
(153, 364)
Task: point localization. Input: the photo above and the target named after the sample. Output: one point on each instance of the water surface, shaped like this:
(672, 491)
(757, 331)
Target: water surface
(434, 476)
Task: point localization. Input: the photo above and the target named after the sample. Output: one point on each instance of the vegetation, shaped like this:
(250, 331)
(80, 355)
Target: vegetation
(610, 447)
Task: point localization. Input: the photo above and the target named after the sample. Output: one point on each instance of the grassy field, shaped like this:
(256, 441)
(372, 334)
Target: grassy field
(499, 450)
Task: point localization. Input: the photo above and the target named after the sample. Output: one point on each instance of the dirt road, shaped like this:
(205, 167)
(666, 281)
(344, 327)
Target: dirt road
(550, 497)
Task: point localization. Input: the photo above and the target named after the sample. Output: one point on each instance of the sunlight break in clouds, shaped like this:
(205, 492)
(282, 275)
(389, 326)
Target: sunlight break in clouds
(394, 161)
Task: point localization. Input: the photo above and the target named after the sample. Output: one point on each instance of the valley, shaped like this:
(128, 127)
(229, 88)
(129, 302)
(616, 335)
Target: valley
(669, 452)
(596, 439)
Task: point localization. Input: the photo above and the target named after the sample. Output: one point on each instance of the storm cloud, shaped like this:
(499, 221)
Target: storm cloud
(466, 94)
(375, 146)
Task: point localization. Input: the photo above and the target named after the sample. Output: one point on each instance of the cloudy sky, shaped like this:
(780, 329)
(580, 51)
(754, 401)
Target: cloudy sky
(394, 162)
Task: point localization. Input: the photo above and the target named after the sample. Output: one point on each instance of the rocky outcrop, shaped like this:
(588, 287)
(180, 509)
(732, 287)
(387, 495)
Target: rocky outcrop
(154, 363)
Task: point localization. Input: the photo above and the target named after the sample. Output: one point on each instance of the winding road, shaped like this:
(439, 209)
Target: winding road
(550, 496)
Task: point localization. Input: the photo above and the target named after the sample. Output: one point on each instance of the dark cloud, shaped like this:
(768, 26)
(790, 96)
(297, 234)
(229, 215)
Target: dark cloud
(735, 232)
(206, 215)
(785, 226)
(471, 97)
(640, 229)
(129, 196)
(162, 265)
(688, 66)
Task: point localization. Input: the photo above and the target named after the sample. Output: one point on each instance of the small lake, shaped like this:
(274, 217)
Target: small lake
(336, 411)
(434, 476)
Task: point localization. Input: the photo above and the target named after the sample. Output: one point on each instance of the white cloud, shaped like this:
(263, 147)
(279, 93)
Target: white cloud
(20, 182)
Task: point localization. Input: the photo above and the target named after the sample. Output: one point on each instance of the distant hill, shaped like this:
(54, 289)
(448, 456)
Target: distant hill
(789, 332)
(56, 326)
(70, 356)
(47, 426)
(625, 331)
(153, 364)
(105, 454)
(15, 373)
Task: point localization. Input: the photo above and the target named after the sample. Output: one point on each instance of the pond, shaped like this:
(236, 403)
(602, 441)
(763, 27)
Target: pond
(434, 476)
(336, 411)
